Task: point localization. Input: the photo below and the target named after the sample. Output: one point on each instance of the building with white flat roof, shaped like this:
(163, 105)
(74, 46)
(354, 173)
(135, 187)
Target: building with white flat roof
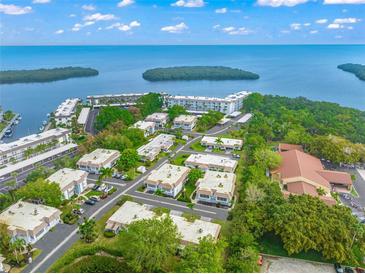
(66, 111)
(29, 221)
(150, 151)
(211, 162)
(168, 178)
(191, 232)
(71, 181)
(185, 122)
(221, 143)
(124, 99)
(227, 105)
(32, 145)
(234, 114)
(84, 114)
(99, 158)
(148, 128)
(245, 118)
(30, 163)
(216, 187)
(159, 118)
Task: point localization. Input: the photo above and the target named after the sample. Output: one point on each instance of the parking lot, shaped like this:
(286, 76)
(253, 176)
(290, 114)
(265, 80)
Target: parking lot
(289, 265)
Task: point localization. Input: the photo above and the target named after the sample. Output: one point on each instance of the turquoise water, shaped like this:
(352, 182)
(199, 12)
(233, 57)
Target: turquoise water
(308, 71)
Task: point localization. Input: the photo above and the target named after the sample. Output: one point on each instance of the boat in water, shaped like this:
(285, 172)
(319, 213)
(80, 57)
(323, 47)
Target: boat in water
(44, 123)
(8, 133)
(41, 129)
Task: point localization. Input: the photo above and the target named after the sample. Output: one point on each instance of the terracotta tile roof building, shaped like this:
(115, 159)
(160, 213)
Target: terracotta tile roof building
(301, 173)
(287, 147)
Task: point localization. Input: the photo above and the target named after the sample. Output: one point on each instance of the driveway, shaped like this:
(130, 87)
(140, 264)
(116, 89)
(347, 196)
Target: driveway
(289, 265)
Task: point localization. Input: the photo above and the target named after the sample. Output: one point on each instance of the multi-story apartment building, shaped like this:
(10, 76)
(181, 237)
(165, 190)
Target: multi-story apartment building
(211, 162)
(126, 99)
(98, 159)
(159, 118)
(32, 145)
(148, 128)
(227, 105)
(221, 143)
(66, 111)
(150, 151)
(185, 122)
(29, 222)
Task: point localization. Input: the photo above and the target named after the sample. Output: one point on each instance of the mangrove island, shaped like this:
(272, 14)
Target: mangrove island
(357, 69)
(44, 75)
(215, 73)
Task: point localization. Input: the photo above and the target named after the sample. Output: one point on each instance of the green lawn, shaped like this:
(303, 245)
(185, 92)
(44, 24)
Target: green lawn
(354, 192)
(186, 193)
(93, 193)
(180, 159)
(197, 147)
(190, 217)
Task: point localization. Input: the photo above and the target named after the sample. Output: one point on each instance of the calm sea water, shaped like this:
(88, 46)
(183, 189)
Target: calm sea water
(292, 71)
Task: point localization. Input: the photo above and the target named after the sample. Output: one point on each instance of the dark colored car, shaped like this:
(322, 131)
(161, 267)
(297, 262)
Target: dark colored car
(90, 202)
(349, 270)
(104, 195)
(338, 268)
(95, 187)
(360, 270)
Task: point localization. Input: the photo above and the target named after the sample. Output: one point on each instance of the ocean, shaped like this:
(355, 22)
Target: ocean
(305, 70)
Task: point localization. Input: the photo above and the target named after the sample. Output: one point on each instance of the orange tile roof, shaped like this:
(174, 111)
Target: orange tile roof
(285, 147)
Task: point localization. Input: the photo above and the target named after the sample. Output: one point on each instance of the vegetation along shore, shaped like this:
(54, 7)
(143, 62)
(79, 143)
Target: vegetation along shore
(357, 69)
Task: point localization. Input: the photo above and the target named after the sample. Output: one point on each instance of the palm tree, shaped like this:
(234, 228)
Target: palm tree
(87, 230)
(105, 172)
(218, 141)
(17, 248)
(12, 185)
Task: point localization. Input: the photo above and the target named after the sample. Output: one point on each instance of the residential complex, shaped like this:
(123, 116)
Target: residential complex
(159, 118)
(211, 162)
(227, 105)
(301, 173)
(168, 178)
(221, 143)
(66, 111)
(216, 188)
(126, 99)
(185, 122)
(72, 182)
(191, 232)
(98, 159)
(29, 221)
(148, 128)
(32, 145)
(150, 151)
(84, 114)
(245, 118)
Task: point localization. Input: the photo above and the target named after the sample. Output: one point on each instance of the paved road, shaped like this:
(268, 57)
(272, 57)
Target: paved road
(89, 127)
(55, 244)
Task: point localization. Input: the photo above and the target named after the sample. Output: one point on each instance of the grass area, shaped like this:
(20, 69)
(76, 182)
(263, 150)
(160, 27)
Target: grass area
(354, 192)
(272, 244)
(141, 188)
(80, 249)
(180, 159)
(197, 147)
(186, 193)
(190, 217)
(97, 264)
(161, 210)
(36, 253)
(224, 227)
(93, 193)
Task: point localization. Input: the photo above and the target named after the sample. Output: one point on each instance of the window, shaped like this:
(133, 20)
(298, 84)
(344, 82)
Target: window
(222, 199)
(204, 196)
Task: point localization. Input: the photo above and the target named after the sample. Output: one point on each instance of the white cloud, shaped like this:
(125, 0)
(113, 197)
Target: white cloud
(189, 3)
(278, 3)
(14, 10)
(306, 24)
(334, 26)
(295, 26)
(236, 30)
(125, 3)
(333, 2)
(313, 31)
(89, 23)
(60, 31)
(350, 20)
(222, 10)
(179, 28)
(88, 7)
(216, 26)
(79, 26)
(41, 1)
(322, 21)
(72, 15)
(100, 17)
(124, 27)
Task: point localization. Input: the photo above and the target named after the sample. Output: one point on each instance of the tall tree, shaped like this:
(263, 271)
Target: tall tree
(128, 159)
(175, 111)
(87, 230)
(105, 172)
(109, 115)
(147, 245)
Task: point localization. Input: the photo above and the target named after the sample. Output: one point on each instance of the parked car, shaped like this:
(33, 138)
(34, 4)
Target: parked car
(102, 187)
(108, 188)
(104, 195)
(95, 187)
(237, 156)
(78, 211)
(117, 175)
(90, 202)
(360, 270)
(338, 268)
(348, 270)
(95, 198)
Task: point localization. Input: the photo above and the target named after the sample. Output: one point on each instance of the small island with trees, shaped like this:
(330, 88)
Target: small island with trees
(215, 73)
(44, 75)
(357, 69)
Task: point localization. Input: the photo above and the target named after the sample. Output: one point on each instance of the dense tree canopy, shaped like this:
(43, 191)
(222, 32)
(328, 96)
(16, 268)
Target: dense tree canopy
(175, 111)
(208, 120)
(357, 69)
(109, 115)
(149, 103)
(128, 159)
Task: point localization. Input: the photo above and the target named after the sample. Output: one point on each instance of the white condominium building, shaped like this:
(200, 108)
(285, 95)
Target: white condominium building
(221, 143)
(150, 151)
(211, 162)
(66, 111)
(32, 145)
(159, 118)
(125, 99)
(71, 181)
(148, 128)
(216, 187)
(168, 178)
(185, 122)
(227, 105)
(99, 158)
(191, 232)
(84, 114)
(29, 221)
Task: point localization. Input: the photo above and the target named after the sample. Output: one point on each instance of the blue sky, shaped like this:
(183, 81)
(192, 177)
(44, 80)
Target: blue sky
(86, 22)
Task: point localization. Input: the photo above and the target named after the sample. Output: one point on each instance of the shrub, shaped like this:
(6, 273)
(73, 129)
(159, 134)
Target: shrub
(97, 264)
(109, 234)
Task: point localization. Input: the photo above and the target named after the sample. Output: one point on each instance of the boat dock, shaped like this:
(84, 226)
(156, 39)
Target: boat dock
(9, 126)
